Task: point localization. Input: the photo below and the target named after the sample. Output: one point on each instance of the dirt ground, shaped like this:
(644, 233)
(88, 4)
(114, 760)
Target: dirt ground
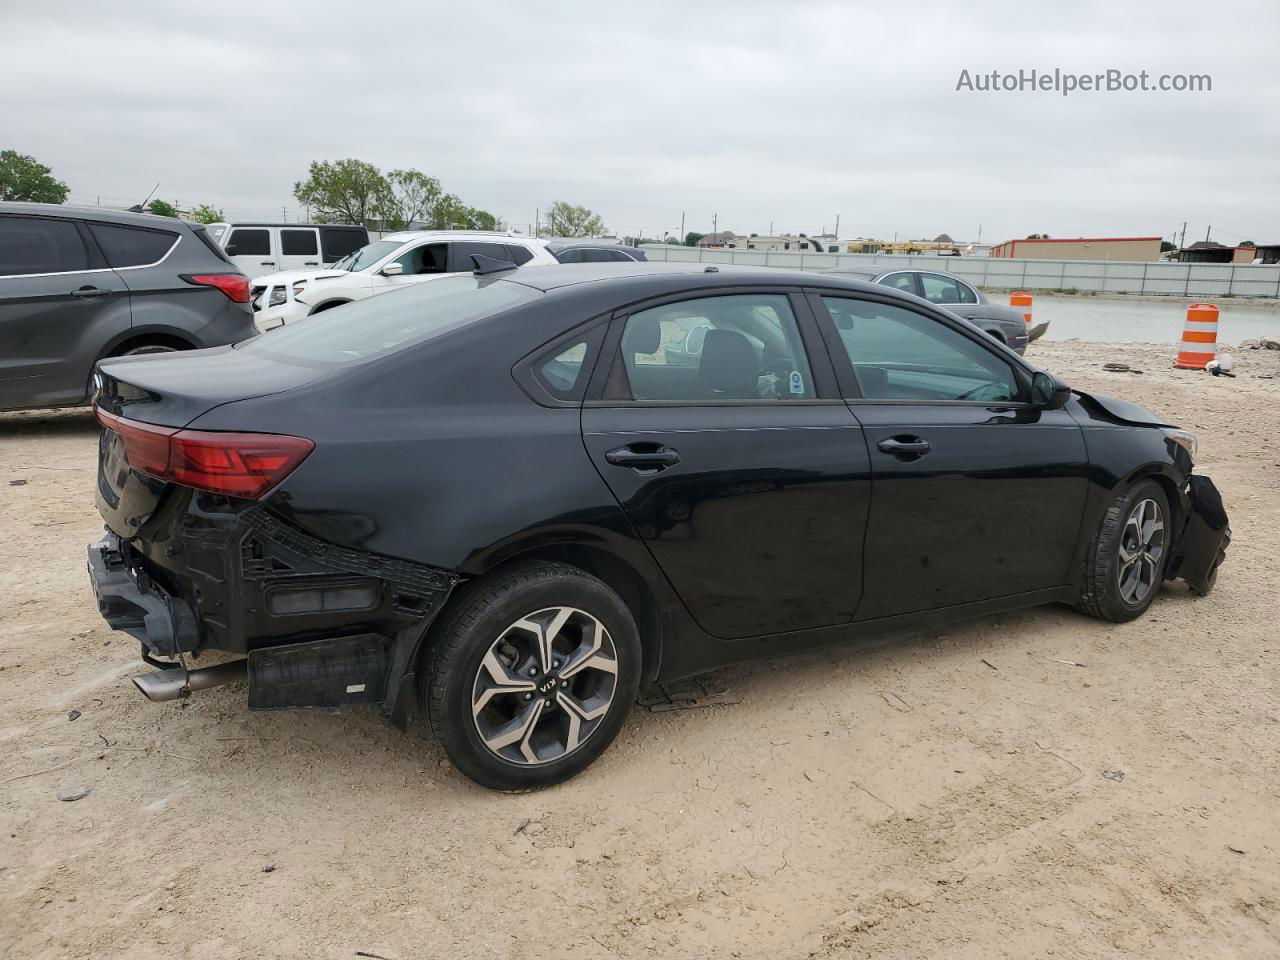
(1021, 786)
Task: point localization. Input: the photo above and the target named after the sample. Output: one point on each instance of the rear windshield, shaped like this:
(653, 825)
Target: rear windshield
(367, 328)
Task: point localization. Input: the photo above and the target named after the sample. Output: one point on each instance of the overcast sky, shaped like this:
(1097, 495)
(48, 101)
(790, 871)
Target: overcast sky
(780, 112)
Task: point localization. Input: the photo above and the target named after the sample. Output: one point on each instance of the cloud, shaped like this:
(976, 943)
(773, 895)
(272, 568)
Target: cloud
(755, 112)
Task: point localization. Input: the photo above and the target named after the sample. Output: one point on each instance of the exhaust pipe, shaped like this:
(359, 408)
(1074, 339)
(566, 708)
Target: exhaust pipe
(172, 684)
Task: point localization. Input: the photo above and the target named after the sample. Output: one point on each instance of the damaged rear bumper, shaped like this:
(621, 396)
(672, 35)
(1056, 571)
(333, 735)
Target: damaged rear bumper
(317, 624)
(1205, 537)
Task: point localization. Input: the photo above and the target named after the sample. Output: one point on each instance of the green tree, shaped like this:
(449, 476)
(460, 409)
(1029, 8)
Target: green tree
(162, 208)
(1167, 247)
(413, 197)
(24, 178)
(345, 191)
(691, 239)
(566, 220)
(207, 214)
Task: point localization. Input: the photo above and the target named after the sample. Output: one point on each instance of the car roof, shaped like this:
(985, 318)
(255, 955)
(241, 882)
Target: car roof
(101, 214)
(652, 278)
(568, 243)
(264, 223)
(404, 236)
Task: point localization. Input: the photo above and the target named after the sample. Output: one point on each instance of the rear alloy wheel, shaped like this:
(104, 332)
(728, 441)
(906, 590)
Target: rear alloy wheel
(1128, 554)
(531, 676)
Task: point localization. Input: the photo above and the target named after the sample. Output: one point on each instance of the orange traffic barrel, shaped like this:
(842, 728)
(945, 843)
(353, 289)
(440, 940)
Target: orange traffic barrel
(1199, 337)
(1022, 300)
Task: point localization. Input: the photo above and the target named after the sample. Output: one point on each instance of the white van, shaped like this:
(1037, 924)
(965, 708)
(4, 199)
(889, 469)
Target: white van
(262, 248)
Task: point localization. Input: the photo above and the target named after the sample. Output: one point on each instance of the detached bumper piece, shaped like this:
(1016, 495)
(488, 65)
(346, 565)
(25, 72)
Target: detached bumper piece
(1205, 538)
(132, 603)
(320, 673)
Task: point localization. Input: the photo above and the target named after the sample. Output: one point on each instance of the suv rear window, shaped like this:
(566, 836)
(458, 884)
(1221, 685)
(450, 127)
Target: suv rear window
(368, 328)
(338, 243)
(34, 245)
(132, 246)
(249, 243)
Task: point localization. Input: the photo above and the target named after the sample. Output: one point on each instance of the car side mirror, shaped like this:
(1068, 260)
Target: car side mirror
(393, 269)
(1048, 391)
(231, 250)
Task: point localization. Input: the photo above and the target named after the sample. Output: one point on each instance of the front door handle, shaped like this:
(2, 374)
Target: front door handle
(311, 263)
(90, 293)
(905, 447)
(266, 263)
(643, 456)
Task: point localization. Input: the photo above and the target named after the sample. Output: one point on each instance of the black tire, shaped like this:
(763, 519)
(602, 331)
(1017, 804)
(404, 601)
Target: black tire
(147, 348)
(459, 644)
(1102, 595)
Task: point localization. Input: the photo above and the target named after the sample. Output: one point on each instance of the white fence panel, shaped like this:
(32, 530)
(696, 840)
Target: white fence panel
(1098, 276)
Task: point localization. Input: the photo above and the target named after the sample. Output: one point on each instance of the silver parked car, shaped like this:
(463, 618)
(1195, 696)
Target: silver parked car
(966, 301)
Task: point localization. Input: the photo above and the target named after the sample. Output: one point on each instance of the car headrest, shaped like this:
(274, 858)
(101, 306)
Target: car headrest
(643, 335)
(729, 368)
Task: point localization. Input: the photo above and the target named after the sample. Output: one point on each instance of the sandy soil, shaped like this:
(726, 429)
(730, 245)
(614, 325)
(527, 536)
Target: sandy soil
(964, 794)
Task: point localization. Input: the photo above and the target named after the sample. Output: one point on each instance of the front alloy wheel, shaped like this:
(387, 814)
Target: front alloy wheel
(1141, 552)
(544, 685)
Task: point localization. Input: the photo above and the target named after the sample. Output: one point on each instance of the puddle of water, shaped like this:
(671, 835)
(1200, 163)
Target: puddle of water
(1144, 321)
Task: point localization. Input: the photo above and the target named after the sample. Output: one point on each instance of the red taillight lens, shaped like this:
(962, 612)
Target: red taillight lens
(236, 464)
(244, 465)
(146, 446)
(234, 285)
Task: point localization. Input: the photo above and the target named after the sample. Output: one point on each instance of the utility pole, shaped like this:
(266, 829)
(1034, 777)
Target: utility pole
(771, 228)
(837, 226)
(1183, 242)
(284, 214)
(682, 226)
(714, 223)
(1207, 232)
(537, 221)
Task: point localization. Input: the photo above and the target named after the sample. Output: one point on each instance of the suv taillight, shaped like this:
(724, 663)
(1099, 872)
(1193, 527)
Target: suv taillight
(234, 285)
(245, 465)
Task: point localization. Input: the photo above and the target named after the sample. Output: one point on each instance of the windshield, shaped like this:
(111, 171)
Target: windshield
(367, 328)
(367, 255)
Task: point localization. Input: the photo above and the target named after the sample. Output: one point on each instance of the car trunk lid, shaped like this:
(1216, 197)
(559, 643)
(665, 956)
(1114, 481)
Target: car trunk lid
(144, 402)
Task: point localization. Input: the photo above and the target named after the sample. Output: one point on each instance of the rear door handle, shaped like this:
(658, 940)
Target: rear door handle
(311, 263)
(266, 263)
(905, 447)
(643, 456)
(90, 293)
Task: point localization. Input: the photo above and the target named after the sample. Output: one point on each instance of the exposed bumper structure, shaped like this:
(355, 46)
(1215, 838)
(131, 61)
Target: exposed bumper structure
(1205, 537)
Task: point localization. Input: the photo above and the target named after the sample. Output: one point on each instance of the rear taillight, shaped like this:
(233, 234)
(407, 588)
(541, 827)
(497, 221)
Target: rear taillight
(245, 465)
(234, 285)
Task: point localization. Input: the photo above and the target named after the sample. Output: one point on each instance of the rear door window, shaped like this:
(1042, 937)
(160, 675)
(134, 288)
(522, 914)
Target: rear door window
(298, 243)
(519, 255)
(461, 252)
(30, 245)
(735, 347)
(570, 256)
(901, 281)
(249, 242)
(939, 289)
(132, 246)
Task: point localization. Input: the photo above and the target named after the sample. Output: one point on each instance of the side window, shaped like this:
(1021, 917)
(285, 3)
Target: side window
(428, 258)
(620, 256)
(338, 243)
(518, 255)
(464, 250)
(898, 354)
(569, 256)
(249, 242)
(32, 245)
(967, 293)
(737, 347)
(132, 246)
(591, 255)
(561, 372)
(901, 281)
(939, 289)
(298, 243)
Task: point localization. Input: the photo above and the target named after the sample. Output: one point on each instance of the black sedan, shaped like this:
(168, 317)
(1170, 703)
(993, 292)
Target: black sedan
(494, 500)
(1007, 324)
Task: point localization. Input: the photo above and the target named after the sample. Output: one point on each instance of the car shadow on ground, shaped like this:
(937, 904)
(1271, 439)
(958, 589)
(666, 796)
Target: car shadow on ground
(29, 424)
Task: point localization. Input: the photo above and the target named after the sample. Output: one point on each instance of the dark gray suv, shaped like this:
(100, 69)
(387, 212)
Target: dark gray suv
(77, 285)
